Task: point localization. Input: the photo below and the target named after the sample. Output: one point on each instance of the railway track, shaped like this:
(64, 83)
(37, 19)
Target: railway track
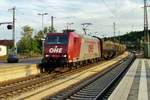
(23, 85)
(98, 87)
(16, 87)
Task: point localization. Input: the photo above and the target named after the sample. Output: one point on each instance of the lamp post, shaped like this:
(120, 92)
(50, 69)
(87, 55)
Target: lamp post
(43, 39)
(42, 14)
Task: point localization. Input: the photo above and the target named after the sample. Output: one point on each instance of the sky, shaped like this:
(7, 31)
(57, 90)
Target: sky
(127, 14)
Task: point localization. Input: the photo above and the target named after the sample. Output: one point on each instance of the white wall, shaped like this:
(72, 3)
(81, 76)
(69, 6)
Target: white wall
(3, 50)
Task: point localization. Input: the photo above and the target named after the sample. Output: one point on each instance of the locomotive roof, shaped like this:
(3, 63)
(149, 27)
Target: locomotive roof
(81, 35)
(55, 34)
(88, 36)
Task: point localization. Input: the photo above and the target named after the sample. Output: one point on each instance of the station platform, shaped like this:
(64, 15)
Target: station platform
(135, 85)
(10, 71)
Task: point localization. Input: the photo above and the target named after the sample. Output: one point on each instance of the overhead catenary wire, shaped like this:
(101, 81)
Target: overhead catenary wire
(110, 10)
(115, 13)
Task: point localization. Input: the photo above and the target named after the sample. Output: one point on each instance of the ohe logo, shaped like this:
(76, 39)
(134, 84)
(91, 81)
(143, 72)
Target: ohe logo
(55, 50)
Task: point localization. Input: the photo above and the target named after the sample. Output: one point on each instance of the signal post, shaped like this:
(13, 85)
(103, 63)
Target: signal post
(146, 33)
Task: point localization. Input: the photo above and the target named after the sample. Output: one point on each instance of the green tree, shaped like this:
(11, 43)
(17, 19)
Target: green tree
(38, 38)
(49, 29)
(38, 42)
(25, 44)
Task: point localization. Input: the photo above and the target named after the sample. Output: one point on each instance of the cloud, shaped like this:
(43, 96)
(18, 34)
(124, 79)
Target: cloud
(102, 13)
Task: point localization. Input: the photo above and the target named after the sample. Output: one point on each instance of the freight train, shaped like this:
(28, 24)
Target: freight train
(72, 49)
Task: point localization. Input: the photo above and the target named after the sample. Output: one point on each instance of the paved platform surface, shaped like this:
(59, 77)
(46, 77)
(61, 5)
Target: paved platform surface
(136, 83)
(9, 71)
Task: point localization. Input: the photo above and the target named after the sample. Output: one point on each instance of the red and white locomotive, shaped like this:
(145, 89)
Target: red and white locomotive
(71, 49)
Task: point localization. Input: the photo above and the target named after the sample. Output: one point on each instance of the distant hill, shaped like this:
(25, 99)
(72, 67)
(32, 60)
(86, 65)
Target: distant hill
(133, 40)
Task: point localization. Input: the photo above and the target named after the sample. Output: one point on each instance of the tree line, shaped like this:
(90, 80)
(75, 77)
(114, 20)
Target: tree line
(30, 43)
(134, 40)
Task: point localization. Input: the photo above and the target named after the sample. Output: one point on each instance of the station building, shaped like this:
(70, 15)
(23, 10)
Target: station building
(5, 46)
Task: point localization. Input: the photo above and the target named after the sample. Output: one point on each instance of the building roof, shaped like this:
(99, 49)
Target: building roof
(7, 42)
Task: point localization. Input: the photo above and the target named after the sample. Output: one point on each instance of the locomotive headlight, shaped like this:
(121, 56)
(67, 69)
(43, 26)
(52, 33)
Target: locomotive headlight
(46, 55)
(64, 55)
(69, 56)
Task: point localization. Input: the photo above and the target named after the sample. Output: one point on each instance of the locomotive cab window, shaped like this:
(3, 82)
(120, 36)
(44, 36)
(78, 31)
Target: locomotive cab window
(60, 39)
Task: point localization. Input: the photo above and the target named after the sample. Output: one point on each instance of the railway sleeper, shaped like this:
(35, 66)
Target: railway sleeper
(84, 92)
(81, 98)
(88, 95)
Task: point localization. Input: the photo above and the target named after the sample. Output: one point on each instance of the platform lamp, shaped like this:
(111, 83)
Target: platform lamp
(42, 14)
(42, 39)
